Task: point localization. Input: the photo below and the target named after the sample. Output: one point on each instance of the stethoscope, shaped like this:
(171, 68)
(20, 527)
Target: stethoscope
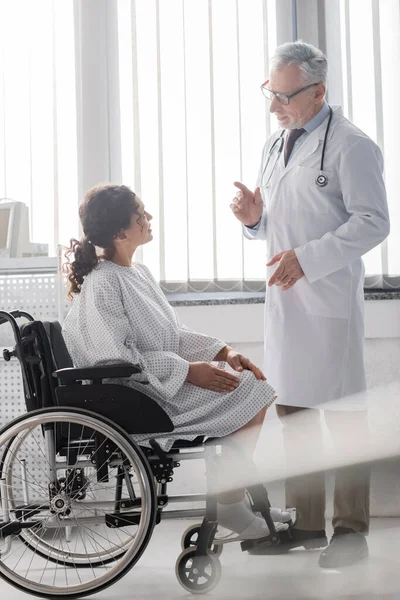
(321, 180)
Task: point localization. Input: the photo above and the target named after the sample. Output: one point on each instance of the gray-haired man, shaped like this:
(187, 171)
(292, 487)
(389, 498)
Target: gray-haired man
(320, 204)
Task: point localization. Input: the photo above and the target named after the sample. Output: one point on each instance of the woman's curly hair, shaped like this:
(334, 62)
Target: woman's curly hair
(105, 211)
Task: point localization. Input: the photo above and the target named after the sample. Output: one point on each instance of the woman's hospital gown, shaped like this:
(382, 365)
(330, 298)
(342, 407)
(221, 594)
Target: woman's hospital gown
(121, 315)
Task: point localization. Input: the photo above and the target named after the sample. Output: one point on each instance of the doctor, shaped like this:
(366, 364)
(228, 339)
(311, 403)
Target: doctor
(320, 204)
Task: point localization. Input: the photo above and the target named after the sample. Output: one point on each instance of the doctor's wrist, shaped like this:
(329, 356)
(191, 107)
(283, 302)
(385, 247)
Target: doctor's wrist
(253, 225)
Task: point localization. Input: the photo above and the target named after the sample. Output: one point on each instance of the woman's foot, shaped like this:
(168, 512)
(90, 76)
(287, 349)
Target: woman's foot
(280, 516)
(277, 515)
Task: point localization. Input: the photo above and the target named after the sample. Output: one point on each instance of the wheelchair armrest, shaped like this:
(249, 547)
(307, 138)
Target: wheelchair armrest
(72, 375)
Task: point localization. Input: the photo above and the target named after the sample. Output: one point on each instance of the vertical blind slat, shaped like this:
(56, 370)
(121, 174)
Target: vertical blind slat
(348, 59)
(379, 106)
(136, 115)
(240, 124)
(56, 217)
(186, 139)
(212, 133)
(266, 62)
(161, 207)
(31, 203)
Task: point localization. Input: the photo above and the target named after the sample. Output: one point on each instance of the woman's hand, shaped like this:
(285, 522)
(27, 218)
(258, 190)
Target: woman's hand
(238, 362)
(212, 378)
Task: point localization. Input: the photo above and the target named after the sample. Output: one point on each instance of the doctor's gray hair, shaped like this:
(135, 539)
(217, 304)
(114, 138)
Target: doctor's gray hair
(311, 60)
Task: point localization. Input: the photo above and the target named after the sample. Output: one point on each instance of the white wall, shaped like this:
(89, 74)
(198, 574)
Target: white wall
(243, 323)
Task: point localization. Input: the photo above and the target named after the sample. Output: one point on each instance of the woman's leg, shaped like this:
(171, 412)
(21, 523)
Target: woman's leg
(233, 512)
(246, 439)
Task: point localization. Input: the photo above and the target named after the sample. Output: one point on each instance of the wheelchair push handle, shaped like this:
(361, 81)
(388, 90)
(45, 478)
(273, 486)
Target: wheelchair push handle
(8, 355)
(10, 317)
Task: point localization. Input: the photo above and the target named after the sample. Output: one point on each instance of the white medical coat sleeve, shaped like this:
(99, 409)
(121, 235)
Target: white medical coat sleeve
(361, 179)
(259, 232)
(194, 346)
(165, 371)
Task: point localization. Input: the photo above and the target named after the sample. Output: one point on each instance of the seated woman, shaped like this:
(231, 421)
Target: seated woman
(120, 314)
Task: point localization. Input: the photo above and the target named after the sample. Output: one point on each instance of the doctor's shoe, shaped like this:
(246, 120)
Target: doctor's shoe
(293, 538)
(345, 549)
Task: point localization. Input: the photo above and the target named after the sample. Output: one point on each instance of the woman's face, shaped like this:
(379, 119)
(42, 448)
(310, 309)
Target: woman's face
(139, 232)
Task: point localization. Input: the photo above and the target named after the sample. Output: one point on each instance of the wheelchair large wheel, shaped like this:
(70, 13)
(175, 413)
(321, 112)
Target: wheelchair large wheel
(41, 543)
(81, 496)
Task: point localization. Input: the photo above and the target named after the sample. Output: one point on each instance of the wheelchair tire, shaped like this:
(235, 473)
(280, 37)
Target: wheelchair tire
(206, 575)
(27, 567)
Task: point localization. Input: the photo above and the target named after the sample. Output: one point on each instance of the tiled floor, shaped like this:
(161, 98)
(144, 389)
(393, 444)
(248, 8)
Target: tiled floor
(292, 577)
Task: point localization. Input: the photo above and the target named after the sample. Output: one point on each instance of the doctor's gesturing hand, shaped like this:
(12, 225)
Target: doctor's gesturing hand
(246, 205)
(288, 271)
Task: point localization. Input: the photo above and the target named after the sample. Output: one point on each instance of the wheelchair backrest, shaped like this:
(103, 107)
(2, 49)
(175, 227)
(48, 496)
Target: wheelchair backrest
(42, 352)
(60, 355)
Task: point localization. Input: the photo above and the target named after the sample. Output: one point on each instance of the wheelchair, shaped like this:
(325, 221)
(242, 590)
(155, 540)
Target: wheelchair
(79, 497)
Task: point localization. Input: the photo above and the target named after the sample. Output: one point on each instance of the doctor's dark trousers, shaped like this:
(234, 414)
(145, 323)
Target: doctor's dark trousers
(306, 493)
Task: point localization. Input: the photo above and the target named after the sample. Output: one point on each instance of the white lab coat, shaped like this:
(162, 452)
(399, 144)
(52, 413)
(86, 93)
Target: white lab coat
(314, 332)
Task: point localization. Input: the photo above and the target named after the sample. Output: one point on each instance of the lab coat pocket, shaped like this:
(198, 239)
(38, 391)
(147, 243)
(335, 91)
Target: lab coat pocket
(308, 196)
(327, 297)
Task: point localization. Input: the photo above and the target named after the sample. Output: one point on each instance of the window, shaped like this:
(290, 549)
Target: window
(163, 95)
(365, 79)
(38, 144)
(192, 122)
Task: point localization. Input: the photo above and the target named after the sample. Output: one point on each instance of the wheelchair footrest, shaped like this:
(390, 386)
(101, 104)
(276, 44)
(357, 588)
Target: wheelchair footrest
(116, 520)
(281, 538)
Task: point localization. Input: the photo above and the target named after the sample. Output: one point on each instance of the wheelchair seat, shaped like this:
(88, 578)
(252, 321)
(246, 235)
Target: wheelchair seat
(180, 444)
(72, 393)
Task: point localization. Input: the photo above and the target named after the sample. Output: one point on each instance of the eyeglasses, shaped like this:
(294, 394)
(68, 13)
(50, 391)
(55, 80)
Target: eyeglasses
(282, 98)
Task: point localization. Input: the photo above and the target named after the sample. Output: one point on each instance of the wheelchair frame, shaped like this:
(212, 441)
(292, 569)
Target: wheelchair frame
(59, 399)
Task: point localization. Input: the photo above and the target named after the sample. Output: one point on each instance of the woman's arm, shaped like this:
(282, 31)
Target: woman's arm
(194, 346)
(109, 337)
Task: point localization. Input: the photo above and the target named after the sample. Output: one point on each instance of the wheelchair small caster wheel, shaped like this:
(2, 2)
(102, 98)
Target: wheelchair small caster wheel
(190, 537)
(198, 574)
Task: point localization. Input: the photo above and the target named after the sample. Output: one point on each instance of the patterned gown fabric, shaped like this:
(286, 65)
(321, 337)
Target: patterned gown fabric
(122, 315)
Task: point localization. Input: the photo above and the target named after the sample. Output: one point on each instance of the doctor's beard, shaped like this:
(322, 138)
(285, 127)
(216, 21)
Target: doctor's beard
(286, 122)
(296, 121)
